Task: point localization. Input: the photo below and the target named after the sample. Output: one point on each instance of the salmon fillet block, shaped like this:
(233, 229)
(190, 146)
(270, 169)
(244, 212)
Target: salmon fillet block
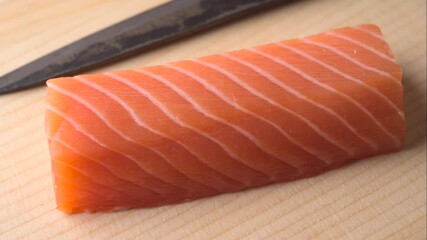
(223, 123)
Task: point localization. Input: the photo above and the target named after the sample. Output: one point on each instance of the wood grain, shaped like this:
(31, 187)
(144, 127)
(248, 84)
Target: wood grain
(378, 198)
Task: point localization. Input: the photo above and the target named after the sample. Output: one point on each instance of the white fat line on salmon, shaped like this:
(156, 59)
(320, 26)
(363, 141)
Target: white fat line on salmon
(171, 116)
(315, 81)
(200, 109)
(375, 91)
(360, 44)
(373, 34)
(253, 92)
(287, 88)
(102, 117)
(232, 104)
(136, 119)
(351, 59)
(94, 139)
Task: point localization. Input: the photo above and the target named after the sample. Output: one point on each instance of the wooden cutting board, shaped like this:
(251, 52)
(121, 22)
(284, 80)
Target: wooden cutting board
(379, 198)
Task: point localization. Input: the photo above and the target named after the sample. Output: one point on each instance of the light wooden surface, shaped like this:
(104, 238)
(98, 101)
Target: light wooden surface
(378, 198)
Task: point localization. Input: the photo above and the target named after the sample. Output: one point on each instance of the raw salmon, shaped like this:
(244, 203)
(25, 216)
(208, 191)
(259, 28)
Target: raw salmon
(223, 123)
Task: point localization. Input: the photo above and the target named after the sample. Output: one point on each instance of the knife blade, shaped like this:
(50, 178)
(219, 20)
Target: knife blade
(167, 22)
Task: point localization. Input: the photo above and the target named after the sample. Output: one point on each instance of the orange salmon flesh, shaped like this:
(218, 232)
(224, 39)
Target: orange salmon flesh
(223, 123)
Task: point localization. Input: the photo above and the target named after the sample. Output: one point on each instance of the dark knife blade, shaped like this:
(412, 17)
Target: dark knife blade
(164, 23)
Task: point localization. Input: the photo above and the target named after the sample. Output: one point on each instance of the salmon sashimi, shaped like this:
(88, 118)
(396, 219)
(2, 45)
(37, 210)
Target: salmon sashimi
(223, 123)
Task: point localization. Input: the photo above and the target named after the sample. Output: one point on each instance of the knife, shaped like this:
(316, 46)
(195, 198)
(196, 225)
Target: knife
(167, 22)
